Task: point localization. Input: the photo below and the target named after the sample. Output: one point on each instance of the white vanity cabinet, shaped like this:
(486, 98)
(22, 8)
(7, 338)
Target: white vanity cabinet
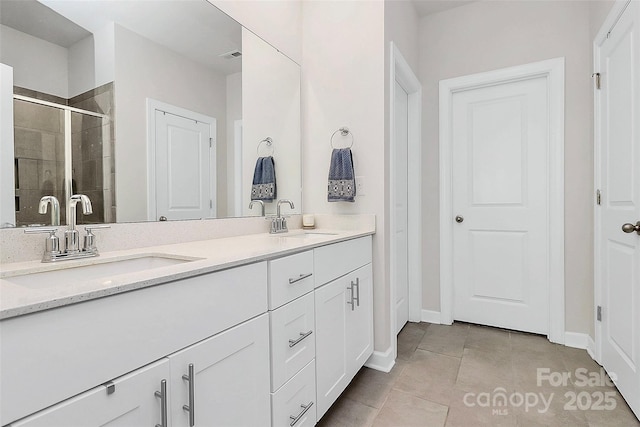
(128, 401)
(224, 380)
(344, 318)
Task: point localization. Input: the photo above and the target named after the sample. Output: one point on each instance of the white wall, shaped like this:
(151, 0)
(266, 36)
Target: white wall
(234, 112)
(277, 22)
(270, 108)
(489, 35)
(81, 67)
(7, 184)
(343, 85)
(37, 64)
(145, 69)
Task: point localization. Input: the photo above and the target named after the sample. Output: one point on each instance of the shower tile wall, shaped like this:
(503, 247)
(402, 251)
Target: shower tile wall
(39, 159)
(93, 153)
(39, 153)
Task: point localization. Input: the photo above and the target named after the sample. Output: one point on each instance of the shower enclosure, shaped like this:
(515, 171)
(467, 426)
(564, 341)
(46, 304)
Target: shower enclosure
(61, 151)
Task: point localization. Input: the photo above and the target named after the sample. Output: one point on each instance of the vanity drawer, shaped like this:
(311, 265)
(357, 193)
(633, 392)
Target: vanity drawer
(289, 278)
(333, 261)
(293, 343)
(296, 400)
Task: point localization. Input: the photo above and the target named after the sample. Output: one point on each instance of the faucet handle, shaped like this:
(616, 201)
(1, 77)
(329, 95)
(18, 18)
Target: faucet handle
(89, 238)
(52, 244)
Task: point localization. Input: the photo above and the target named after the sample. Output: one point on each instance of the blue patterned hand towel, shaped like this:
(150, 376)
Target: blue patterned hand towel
(264, 180)
(342, 179)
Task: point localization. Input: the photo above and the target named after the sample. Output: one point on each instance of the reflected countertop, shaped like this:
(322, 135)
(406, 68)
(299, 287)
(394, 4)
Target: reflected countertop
(203, 257)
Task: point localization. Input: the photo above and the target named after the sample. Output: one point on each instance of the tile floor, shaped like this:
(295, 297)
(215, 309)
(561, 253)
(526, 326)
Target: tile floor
(439, 368)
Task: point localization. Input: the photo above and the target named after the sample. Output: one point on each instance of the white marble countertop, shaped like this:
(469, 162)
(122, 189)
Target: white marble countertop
(205, 257)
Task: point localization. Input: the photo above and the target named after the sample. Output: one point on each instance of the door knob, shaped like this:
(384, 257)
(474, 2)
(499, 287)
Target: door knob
(163, 218)
(459, 219)
(630, 228)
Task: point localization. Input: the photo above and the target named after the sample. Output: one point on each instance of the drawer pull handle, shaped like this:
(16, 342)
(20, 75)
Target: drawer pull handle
(357, 285)
(301, 277)
(355, 300)
(295, 419)
(303, 335)
(190, 407)
(162, 394)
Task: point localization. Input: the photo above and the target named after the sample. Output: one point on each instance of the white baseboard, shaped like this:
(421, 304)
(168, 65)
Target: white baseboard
(381, 361)
(431, 316)
(591, 348)
(577, 340)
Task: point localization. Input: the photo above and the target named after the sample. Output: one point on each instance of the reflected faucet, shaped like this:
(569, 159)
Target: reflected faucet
(261, 206)
(71, 236)
(279, 224)
(55, 208)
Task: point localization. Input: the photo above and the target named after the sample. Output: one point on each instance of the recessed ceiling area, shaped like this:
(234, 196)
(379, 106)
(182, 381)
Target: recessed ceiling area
(429, 7)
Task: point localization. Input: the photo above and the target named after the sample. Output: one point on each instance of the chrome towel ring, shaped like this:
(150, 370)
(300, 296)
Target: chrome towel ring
(269, 143)
(344, 131)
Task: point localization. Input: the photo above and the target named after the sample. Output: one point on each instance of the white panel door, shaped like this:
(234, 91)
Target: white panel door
(401, 184)
(184, 168)
(500, 200)
(620, 204)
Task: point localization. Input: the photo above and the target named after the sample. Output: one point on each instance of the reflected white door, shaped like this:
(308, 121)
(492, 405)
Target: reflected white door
(500, 194)
(185, 168)
(619, 263)
(401, 184)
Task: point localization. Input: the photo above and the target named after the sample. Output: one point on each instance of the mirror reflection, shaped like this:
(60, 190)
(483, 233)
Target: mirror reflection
(153, 109)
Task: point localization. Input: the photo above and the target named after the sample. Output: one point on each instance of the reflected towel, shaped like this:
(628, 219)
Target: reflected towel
(264, 180)
(342, 181)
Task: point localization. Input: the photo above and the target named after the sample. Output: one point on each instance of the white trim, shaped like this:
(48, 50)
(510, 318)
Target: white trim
(400, 71)
(576, 340)
(7, 149)
(237, 168)
(154, 105)
(431, 316)
(553, 69)
(591, 349)
(617, 8)
(382, 360)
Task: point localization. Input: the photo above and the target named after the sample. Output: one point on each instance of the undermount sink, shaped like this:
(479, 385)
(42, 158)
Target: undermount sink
(102, 270)
(308, 233)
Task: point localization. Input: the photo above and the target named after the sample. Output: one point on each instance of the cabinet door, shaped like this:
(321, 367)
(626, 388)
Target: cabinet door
(132, 402)
(230, 378)
(359, 320)
(331, 338)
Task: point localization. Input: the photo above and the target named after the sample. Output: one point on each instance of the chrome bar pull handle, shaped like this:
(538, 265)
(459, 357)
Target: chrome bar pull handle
(190, 407)
(296, 418)
(357, 286)
(162, 394)
(303, 335)
(301, 277)
(352, 302)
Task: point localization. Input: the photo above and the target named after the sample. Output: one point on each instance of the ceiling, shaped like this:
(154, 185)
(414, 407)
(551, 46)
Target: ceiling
(429, 7)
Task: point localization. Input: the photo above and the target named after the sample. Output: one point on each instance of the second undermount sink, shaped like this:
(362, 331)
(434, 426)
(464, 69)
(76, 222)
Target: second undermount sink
(309, 234)
(94, 271)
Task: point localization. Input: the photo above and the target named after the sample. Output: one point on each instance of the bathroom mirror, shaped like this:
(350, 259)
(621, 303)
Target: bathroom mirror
(153, 108)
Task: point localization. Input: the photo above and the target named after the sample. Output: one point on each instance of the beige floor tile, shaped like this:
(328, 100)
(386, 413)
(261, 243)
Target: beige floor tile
(371, 387)
(346, 412)
(482, 371)
(468, 409)
(429, 375)
(409, 338)
(522, 342)
(445, 339)
(405, 410)
(488, 339)
(532, 370)
(558, 412)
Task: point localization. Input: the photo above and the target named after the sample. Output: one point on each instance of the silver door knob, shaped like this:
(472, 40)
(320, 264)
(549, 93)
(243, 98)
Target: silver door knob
(630, 228)
(459, 219)
(163, 218)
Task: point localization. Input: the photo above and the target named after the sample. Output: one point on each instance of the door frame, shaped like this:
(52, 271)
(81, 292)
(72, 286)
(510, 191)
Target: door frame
(553, 71)
(154, 105)
(400, 71)
(614, 15)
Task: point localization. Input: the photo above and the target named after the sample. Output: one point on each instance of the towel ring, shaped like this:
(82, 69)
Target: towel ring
(344, 131)
(269, 143)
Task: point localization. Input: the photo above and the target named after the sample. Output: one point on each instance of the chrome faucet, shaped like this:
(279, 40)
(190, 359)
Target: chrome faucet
(279, 223)
(71, 236)
(55, 208)
(261, 206)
